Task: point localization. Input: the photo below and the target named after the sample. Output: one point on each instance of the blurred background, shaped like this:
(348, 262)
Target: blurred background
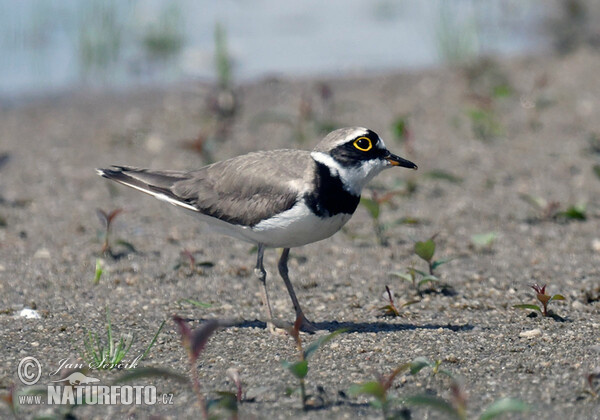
(56, 46)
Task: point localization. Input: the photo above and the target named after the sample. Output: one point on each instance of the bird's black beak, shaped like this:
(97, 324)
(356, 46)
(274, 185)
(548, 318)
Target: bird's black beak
(396, 160)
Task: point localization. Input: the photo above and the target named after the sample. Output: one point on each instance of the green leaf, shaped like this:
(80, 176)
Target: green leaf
(574, 213)
(557, 297)
(373, 388)
(389, 310)
(427, 279)
(501, 91)
(483, 240)
(403, 276)
(434, 402)
(418, 364)
(314, 346)
(298, 369)
(526, 306)
(502, 406)
(596, 169)
(400, 128)
(437, 263)
(99, 271)
(425, 249)
(372, 207)
(149, 372)
(226, 400)
(127, 245)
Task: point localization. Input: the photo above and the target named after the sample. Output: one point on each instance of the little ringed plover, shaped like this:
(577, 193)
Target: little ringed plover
(275, 199)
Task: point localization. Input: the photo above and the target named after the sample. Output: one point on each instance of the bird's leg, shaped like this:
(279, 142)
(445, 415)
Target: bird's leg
(260, 272)
(283, 271)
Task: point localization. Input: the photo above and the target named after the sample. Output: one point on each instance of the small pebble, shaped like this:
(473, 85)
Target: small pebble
(29, 313)
(530, 333)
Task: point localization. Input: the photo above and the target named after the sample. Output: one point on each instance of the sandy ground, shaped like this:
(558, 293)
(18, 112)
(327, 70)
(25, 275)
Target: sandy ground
(542, 122)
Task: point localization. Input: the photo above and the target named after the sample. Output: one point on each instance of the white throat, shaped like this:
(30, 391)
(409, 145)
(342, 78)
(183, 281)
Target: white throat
(355, 178)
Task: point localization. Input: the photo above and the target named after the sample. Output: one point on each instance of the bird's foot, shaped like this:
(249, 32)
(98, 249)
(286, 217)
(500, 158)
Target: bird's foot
(307, 326)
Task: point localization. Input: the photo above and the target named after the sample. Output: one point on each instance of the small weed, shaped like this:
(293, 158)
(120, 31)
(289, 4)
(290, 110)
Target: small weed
(379, 388)
(551, 210)
(111, 354)
(188, 261)
(573, 212)
(99, 271)
(164, 38)
(456, 407)
(390, 309)
(299, 369)
(426, 250)
(484, 123)
(194, 342)
(416, 277)
(107, 219)
(223, 62)
(543, 298)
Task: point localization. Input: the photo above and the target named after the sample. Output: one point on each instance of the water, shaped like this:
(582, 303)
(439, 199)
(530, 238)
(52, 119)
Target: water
(52, 46)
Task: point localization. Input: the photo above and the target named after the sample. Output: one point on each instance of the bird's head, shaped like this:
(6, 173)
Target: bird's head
(356, 155)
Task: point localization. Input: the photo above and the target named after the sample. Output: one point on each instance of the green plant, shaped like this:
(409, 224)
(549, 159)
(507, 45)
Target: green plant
(100, 36)
(99, 271)
(416, 278)
(379, 388)
(551, 210)
(223, 64)
(390, 309)
(164, 37)
(107, 219)
(543, 298)
(299, 369)
(426, 250)
(109, 355)
(574, 212)
(456, 406)
(484, 123)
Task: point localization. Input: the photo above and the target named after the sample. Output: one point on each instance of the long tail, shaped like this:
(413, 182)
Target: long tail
(158, 184)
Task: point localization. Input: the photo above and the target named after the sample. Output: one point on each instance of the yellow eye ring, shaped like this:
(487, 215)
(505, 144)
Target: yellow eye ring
(359, 143)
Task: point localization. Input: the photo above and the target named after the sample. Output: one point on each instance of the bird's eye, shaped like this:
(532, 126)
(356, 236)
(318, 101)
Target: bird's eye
(363, 144)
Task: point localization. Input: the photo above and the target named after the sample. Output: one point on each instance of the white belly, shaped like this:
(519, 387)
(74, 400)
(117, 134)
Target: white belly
(295, 227)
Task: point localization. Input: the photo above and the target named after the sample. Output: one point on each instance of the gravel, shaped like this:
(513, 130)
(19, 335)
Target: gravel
(543, 147)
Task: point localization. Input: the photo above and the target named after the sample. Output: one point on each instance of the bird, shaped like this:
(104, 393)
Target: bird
(282, 198)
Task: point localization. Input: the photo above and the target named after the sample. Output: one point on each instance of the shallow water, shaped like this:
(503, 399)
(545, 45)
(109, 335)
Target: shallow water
(51, 46)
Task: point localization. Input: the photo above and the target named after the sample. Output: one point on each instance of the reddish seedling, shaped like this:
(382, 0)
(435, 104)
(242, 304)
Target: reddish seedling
(543, 298)
(390, 309)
